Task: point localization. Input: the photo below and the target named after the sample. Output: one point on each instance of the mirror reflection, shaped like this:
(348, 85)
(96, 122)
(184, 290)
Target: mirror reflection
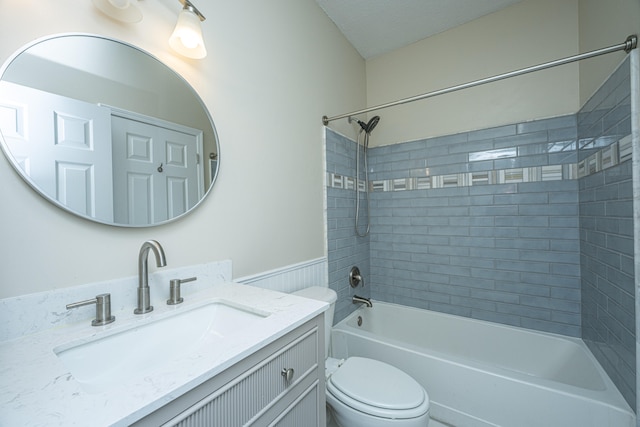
(106, 131)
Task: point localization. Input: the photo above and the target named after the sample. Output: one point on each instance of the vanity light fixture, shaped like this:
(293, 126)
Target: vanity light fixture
(121, 10)
(187, 36)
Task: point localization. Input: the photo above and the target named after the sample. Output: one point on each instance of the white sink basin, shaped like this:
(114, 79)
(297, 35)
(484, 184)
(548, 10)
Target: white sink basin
(117, 357)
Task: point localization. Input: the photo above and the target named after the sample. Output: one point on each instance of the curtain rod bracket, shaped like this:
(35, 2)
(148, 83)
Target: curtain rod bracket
(631, 43)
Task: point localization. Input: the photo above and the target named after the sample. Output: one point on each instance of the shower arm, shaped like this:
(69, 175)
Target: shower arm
(629, 44)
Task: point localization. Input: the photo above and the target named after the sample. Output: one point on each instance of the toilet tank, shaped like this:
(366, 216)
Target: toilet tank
(326, 295)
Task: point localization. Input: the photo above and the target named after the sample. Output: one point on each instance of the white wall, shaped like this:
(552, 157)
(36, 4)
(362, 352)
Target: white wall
(528, 33)
(273, 69)
(604, 23)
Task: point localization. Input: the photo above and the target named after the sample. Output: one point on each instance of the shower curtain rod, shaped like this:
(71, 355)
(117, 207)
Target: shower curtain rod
(630, 43)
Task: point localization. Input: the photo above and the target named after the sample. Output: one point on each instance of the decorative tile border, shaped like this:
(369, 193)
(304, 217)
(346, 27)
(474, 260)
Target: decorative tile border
(614, 154)
(504, 176)
(609, 156)
(343, 182)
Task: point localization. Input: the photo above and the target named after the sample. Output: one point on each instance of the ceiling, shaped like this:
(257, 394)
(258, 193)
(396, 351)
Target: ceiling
(375, 27)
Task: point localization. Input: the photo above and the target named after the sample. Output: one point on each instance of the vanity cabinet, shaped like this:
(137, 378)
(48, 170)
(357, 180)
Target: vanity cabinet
(281, 384)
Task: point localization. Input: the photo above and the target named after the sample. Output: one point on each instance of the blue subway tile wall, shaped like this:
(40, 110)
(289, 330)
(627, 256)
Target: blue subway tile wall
(606, 230)
(527, 224)
(482, 224)
(344, 248)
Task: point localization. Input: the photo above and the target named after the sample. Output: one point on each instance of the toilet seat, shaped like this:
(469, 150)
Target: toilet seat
(378, 389)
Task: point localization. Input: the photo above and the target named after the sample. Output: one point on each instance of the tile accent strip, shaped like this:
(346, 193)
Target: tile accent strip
(503, 176)
(612, 155)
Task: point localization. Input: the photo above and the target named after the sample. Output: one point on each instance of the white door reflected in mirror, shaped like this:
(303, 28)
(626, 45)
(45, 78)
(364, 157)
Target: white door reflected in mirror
(63, 100)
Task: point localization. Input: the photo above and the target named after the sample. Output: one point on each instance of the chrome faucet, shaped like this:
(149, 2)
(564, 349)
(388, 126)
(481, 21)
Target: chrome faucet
(366, 301)
(144, 301)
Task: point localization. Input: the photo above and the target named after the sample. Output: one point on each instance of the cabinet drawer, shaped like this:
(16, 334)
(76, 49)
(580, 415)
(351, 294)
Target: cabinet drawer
(304, 411)
(245, 398)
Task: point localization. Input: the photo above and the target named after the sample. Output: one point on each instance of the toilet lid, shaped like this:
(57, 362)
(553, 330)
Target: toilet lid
(378, 389)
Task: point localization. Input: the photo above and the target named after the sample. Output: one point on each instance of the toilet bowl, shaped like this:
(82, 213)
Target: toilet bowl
(366, 392)
(363, 392)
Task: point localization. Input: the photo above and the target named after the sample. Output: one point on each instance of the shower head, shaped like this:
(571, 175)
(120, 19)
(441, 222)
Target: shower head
(368, 127)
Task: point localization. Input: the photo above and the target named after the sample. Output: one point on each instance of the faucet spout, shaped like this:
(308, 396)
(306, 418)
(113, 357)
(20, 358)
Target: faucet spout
(366, 301)
(144, 300)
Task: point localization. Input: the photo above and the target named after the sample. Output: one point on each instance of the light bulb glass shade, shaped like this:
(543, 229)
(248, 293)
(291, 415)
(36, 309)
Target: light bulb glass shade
(121, 10)
(187, 36)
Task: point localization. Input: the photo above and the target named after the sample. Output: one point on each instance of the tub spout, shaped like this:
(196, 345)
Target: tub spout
(366, 301)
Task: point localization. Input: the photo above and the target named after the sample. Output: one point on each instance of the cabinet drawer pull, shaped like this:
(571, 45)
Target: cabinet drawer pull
(287, 373)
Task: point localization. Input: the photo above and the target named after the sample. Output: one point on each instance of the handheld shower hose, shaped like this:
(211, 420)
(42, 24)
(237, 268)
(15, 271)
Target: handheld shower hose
(366, 128)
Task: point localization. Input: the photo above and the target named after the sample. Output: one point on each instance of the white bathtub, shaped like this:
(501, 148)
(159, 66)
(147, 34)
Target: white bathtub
(485, 374)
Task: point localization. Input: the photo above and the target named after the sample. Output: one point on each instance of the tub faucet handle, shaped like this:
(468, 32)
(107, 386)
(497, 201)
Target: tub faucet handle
(103, 309)
(355, 277)
(174, 290)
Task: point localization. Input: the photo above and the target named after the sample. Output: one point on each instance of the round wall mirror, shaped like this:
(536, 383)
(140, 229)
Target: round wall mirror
(106, 131)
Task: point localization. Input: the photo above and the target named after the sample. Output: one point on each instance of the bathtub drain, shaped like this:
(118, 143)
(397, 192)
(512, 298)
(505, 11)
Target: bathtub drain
(359, 320)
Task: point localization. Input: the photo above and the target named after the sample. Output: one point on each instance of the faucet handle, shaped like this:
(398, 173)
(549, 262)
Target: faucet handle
(103, 309)
(174, 290)
(355, 277)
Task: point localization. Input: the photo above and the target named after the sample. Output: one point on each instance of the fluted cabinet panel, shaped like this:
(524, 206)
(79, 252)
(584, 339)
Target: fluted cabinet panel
(302, 410)
(244, 400)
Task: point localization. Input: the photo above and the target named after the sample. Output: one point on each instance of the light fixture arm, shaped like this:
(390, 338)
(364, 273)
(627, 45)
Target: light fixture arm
(189, 6)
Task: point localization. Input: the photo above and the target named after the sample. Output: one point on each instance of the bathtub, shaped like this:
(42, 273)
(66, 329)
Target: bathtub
(482, 374)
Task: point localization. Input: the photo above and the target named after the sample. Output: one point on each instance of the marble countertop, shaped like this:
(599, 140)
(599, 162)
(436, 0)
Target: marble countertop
(36, 389)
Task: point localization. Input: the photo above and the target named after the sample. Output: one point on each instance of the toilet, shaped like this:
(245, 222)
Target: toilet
(363, 392)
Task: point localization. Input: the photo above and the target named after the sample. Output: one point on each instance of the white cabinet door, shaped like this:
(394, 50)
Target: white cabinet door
(63, 145)
(157, 175)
